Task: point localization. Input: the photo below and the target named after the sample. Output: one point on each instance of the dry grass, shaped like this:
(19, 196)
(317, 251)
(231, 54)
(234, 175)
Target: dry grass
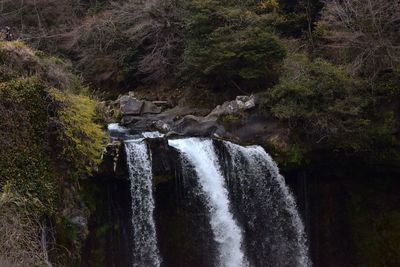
(20, 234)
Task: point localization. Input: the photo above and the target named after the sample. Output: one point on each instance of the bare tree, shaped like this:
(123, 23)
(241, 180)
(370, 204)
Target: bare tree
(365, 34)
(147, 30)
(40, 22)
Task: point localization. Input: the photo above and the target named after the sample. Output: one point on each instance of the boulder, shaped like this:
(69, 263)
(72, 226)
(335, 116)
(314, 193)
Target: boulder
(197, 126)
(245, 102)
(241, 103)
(162, 126)
(130, 105)
(128, 119)
(150, 108)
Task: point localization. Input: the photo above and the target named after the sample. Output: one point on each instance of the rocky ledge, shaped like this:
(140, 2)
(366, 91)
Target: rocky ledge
(238, 120)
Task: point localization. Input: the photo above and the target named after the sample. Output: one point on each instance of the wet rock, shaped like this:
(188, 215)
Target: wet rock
(162, 126)
(126, 120)
(113, 163)
(236, 120)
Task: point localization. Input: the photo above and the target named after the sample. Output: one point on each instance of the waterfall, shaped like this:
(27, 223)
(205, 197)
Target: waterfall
(227, 234)
(274, 231)
(145, 251)
(251, 214)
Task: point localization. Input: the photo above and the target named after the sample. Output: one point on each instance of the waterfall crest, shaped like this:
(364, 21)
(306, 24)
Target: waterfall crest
(227, 234)
(274, 230)
(145, 251)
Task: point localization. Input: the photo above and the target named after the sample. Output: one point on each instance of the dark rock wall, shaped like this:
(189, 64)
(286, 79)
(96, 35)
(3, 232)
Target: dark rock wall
(108, 243)
(351, 213)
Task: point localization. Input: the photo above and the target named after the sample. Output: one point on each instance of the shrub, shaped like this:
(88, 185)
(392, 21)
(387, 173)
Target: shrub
(319, 99)
(23, 140)
(20, 227)
(226, 44)
(80, 138)
(388, 85)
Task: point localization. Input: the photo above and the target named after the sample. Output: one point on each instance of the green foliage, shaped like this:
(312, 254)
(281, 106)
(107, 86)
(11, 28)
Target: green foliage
(47, 137)
(227, 44)
(80, 137)
(388, 84)
(319, 99)
(380, 143)
(25, 164)
(289, 156)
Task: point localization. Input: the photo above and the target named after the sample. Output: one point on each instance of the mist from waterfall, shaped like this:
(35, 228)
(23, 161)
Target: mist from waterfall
(145, 251)
(227, 234)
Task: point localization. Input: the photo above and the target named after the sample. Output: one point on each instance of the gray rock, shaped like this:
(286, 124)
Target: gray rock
(245, 102)
(150, 108)
(162, 126)
(130, 106)
(128, 119)
(249, 126)
(197, 126)
(241, 103)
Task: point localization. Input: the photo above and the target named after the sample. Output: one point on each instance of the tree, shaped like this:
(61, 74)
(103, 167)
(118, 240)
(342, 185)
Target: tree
(228, 45)
(364, 34)
(41, 23)
(139, 37)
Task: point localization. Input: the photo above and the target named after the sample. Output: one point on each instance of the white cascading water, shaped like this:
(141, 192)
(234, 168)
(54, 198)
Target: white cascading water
(227, 234)
(145, 251)
(269, 209)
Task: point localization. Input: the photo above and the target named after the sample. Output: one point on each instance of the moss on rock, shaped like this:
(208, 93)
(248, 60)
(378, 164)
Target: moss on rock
(49, 136)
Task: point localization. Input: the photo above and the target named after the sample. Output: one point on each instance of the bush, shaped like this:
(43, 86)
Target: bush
(23, 140)
(319, 100)
(227, 45)
(80, 138)
(20, 228)
(388, 85)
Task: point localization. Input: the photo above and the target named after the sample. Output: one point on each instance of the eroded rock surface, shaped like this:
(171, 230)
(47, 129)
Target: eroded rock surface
(239, 120)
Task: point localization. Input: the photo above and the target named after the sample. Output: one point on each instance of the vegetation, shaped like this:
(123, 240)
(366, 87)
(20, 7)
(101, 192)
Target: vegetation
(229, 45)
(79, 137)
(319, 99)
(362, 34)
(45, 133)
